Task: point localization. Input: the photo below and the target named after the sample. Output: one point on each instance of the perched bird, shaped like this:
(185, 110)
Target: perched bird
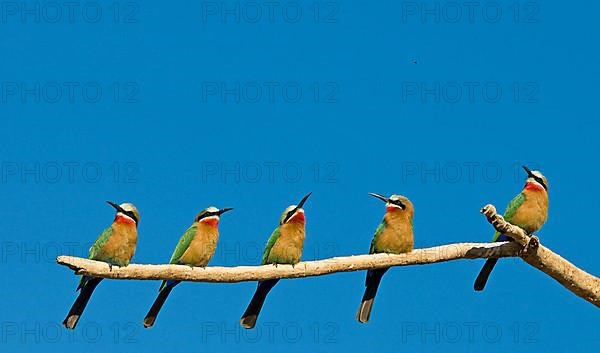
(195, 248)
(528, 210)
(115, 246)
(393, 236)
(283, 247)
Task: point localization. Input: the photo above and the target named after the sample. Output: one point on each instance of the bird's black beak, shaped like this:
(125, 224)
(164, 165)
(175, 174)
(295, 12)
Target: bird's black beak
(117, 207)
(381, 197)
(529, 172)
(223, 210)
(301, 203)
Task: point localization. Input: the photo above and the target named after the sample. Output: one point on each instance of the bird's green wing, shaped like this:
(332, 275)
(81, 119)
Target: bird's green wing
(184, 243)
(99, 243)
(378, 232)
(272, 240)
(512, 208)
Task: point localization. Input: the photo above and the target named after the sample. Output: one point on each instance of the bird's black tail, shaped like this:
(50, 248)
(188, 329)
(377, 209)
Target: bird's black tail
(87, 286)
(372, 284)
(484, 274)
(250, 316)
(158, 303)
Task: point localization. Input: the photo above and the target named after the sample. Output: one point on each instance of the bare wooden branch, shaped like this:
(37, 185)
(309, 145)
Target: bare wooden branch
(525, 246)
(570, 276)
(303, 269)
(502, 226)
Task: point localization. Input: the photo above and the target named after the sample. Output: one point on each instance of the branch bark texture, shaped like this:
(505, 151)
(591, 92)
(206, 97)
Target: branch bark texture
(303, 269)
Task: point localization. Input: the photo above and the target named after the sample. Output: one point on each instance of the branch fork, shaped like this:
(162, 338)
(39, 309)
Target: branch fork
(571, 277)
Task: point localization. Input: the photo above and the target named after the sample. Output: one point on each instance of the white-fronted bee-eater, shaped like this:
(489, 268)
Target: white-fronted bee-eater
(283, 247)
(115, 246)
(528, 210)
(195, 248)
(393, 236)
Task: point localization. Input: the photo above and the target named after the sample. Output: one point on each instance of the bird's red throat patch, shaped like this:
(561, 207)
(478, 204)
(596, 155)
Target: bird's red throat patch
(121, 218)
(534, 187)
(210, 221)
(298, 217)
(392, 209)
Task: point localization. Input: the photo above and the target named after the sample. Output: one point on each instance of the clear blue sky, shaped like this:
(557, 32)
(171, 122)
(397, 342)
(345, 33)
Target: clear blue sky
(140, 102)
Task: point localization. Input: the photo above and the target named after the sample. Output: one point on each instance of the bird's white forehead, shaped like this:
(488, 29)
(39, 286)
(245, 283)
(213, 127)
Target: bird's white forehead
(212, 209)
(397, 198)
(289, 208)
(128, 206)
(537, 174)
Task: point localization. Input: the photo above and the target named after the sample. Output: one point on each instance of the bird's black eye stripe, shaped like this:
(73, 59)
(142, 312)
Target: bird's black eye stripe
(541, 181)
(398, 203)
(206, 214)
(131, 215)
